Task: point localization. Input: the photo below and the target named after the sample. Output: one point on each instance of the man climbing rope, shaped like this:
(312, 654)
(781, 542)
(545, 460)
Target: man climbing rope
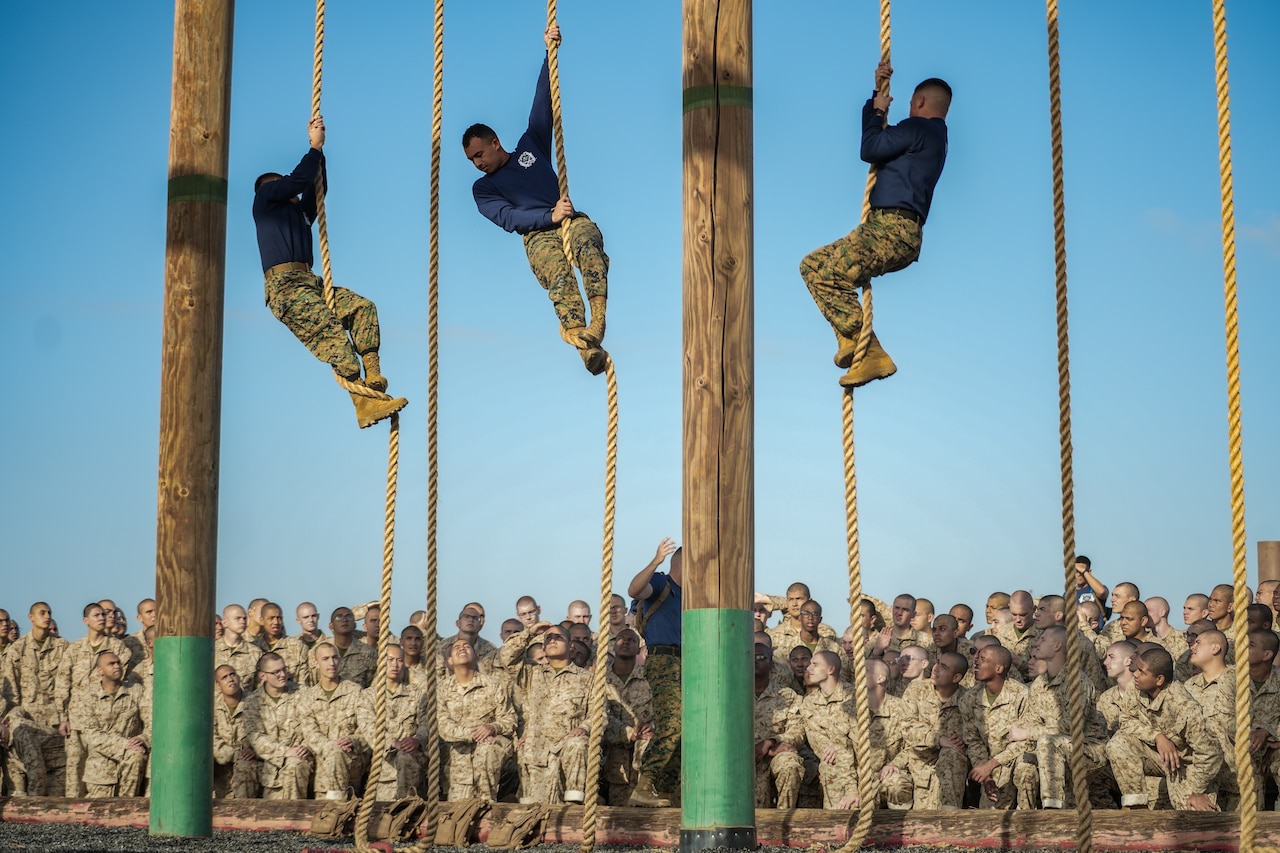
(910, 156)
(284, 206)
(520, 193)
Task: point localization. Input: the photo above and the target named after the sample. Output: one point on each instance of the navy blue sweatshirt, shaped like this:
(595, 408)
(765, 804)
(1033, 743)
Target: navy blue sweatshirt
(284, 226)
(520, 195)
(910, 155)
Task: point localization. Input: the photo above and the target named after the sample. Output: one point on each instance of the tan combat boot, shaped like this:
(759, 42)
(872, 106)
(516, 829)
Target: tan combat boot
(645, 796)
(373, 371)
(369, 410)
(596, 329)
(578, 336)
(875, 365)
(845, 349)
(594, 359)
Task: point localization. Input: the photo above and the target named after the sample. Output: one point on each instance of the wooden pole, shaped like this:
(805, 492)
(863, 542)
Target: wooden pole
(190, 410)
(1268, 561)
(719, 373)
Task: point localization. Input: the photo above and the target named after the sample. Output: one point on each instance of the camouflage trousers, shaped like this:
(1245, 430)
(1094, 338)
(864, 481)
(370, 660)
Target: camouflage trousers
(886, 242)
(75, 766)
(296, 298)
(838, 779)
(475, 769)
(548, 262)
(287, 779)
(778, 778)
(662, 761)
(337, 769)
(37, 757)
(619, 769)
(547, 777)
(939, 779)
(897, 791)
(129, 771)
(1043, 776)
(236, 780)
(1132, 761)
(400, 772)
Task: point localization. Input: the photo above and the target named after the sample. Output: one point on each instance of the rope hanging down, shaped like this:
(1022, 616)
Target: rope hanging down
(596, 708)
(1235, 456)
(429, 630)
(1076, 694)
(868, 786)
(393, 466)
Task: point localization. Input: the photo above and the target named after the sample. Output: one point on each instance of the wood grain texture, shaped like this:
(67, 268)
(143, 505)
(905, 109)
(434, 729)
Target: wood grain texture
(719, 366)
(1137, 830)
(191, 364)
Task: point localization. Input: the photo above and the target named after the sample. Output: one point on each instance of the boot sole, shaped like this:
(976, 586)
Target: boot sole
(847, 381)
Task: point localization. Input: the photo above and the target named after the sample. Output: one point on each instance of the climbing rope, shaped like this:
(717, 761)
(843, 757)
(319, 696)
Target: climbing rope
(868, 784)
(393, 467)
(597, 706)
(1075, 678)
(430, 651)
(1244, 760)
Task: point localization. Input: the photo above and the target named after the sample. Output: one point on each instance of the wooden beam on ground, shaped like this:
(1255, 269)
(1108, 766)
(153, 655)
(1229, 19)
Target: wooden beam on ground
(1119, 831)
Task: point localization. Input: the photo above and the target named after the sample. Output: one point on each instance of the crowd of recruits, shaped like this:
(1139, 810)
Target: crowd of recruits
(956, 720)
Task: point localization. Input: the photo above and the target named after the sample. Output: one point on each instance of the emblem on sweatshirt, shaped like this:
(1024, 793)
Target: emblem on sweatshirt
(527, 159)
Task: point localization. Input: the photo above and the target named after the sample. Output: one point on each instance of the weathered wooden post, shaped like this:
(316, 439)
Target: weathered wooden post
(719, 372)
(190, 410)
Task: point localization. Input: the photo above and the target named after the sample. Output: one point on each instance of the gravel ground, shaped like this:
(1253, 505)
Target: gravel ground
(47, 838)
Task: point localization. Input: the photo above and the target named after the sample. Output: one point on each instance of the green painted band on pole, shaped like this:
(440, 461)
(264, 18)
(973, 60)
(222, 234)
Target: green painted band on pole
(718, 731)
(182, 737)
(701, 97)
(198, 188)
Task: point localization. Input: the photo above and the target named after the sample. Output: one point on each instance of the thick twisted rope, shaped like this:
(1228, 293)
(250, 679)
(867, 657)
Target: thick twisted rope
(1075, 677)
(868, 785)
(384, 634)
(557, 124)
(326, 263)
(393, 467)
(1235, 455)
(430, 651)
(597, 706)
(864, 334)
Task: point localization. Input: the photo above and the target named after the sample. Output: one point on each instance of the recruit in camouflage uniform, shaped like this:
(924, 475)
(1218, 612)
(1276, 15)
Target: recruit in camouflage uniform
(1264, 703)
(829, 725)
(37, 758)
(235, 775)
(1019, 645)
(243, 658)
(330, 727)
(1043, 776)
(778, 777)
(985, 724)
(1131, 750)
(1217, 700)
(406, 715)
(77, 673)
(107, 722)
(272, 730)
(937, 771)
(553, 764)
(628, 707)
(475, 766)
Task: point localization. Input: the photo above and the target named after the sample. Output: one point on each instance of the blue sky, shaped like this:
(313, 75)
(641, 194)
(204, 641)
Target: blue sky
(957, 454)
